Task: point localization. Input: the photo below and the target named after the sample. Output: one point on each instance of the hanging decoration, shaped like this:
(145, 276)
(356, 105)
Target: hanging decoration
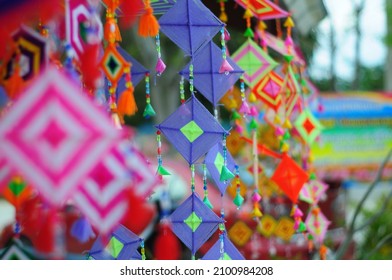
(208, 80)
(122, 245)
(192, 130)
(193, 222)
(45, 139)
(190, 25)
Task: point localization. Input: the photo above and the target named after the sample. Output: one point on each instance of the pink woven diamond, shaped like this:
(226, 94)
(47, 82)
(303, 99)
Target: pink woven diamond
(54, 135)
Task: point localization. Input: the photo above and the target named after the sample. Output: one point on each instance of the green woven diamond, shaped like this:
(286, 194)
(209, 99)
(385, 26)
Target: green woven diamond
(226, 257)
(193, 221)
(191, 131)
(114, 247)
(219, 162)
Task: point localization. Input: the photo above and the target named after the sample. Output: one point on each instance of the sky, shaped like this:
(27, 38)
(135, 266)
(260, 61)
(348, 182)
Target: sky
(373, 27)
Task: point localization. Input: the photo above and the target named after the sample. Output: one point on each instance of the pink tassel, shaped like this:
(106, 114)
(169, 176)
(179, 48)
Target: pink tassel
(279, 131)
(253, 111)
(298, 212)
(227, 36)
(256, 197)
(244, 109)
(288, 42)
(160, 67)
(239, 129)
(296, 224)
(225, 67)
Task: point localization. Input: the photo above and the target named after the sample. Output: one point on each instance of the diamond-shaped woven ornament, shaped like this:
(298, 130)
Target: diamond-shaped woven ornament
(207, 79)
(102, 197)
(193, 222)
(313, 191)
(317, 224)
(230, 252)
(267, 225)
(269, 90)
(77, 14)
(214, 161)
(291, 91)
(240, 233)
(308, 126)
(113, 64)
(290, 177)
(285, 228)
(254, 61)
(190, 25)
(121, 245)
(138, 71)
(33, 51)
(192, 130)
(263, 9)
(54, 135)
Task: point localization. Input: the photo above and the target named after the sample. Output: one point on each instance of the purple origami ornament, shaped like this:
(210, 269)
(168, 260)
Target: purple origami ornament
(229, 252)
(190, 25)
(122, 245)
(208, 78)
(193, 222)
(214, 161)
(192, 130)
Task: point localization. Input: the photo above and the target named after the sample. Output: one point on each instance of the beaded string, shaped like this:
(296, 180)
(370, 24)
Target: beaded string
(205, 188)
(142, 250)
(149, 110)
(238, 199)
(182, 90)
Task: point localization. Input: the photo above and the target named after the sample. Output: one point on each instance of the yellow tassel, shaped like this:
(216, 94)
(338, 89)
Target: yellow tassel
(126, 104)
(252, 98)
(248, 13)
(148, 24)
(287, 124)
(262, 25)
(256, 213)
(289, 22)
(223, 17)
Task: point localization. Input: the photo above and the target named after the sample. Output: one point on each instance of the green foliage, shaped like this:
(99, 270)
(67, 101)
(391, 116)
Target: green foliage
(377, 241)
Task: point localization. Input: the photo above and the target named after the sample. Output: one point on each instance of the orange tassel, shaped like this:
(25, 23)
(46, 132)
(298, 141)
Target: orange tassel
(111, 31)
(126, 104)
(148, 24)
(14, 85)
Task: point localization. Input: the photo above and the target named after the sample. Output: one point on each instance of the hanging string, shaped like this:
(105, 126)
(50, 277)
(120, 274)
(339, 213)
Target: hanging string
(142, 250)
(149, 110)
(262, 27)
(244, 108)
(160, 66)
(238, 199)
(225, 67)
(191, 86)
(223, 16)
(226, 174)
(182, 90)
(247, 16)
(278, 23)
(193, 178)
(205, 188)
(256, 198)
(161, 171)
